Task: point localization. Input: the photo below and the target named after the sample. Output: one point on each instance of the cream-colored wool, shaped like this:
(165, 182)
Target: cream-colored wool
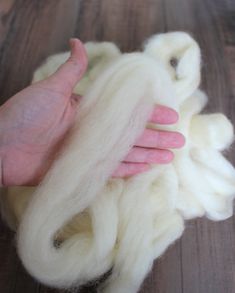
(79, 223)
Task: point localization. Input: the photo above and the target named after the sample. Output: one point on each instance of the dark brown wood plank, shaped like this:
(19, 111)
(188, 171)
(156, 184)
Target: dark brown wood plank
(32, 30)
(203, 261)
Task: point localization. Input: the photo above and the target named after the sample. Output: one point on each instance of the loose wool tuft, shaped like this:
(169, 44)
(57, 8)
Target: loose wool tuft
(80, 223)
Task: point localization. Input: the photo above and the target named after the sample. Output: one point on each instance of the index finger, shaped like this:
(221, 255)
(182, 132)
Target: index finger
(163, 115)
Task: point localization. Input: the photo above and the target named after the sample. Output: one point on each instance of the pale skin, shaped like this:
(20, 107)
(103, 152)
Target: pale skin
(34, 122)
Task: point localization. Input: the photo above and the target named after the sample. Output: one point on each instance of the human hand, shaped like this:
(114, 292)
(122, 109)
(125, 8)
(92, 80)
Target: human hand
(34, 122)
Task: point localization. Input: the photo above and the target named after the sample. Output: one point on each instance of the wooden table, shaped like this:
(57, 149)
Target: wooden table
(203, 260)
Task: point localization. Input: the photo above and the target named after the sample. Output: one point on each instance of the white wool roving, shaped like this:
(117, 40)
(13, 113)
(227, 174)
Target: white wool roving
(80, 223)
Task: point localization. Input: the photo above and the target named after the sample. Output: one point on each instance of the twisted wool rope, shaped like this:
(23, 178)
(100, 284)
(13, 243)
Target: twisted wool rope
(78, 224)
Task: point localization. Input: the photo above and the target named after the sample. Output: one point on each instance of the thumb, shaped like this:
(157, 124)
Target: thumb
(69, 73)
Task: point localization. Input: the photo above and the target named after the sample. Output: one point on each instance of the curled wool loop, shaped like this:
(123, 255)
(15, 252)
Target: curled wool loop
(78, 224)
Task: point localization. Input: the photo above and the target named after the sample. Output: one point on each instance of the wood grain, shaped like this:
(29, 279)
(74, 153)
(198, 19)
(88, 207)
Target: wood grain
(203, 260)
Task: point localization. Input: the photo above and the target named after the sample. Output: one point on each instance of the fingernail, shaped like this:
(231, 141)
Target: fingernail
(179, 140)
(72, 42)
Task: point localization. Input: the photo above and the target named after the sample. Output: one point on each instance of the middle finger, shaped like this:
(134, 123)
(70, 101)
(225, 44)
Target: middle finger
(160, 139)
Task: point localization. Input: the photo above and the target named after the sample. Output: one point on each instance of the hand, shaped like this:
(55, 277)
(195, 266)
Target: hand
(34, 122)
(152, 146)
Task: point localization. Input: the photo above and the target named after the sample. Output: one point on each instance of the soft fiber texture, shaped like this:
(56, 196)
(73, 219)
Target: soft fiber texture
(79, 223)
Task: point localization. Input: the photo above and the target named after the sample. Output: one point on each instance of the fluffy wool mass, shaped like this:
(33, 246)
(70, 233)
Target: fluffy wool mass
(79, 223)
